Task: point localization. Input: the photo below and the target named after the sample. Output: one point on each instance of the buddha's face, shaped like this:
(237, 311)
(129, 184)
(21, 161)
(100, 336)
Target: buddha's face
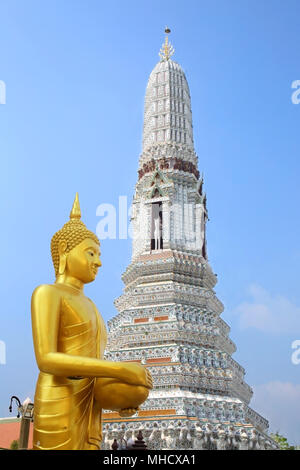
(83, 261)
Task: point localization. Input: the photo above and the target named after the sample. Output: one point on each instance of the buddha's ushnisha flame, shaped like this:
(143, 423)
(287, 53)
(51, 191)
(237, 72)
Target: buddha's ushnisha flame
(75, 212)
(73, 233)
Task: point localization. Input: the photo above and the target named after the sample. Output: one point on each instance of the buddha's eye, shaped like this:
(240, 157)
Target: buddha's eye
(91, 253)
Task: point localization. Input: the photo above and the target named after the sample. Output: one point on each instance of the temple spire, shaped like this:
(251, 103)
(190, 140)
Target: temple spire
(167, 111)
(167, 50)
(169, 315)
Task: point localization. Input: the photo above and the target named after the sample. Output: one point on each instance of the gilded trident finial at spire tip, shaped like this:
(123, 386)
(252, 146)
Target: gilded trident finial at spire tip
(167, 50)
(75, 212)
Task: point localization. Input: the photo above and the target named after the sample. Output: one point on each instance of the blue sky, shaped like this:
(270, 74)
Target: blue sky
(75, 75)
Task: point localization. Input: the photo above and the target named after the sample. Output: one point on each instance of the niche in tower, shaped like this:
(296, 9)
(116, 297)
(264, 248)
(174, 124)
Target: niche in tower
(156, 226)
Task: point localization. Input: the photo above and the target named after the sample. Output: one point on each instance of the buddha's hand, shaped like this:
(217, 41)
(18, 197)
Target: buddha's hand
(127, 412)
(136, 374)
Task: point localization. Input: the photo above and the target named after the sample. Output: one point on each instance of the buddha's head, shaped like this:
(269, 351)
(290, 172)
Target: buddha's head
(75, 250)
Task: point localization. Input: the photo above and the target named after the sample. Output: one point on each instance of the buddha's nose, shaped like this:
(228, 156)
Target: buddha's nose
(98, 262)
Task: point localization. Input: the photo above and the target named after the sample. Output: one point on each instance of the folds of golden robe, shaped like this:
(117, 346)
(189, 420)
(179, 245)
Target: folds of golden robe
(66, 414)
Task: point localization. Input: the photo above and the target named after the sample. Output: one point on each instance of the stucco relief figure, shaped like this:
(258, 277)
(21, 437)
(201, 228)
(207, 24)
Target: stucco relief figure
(199, 439)
(75, 381)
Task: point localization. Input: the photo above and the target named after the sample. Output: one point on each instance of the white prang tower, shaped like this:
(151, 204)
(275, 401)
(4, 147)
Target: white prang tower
(169, 315)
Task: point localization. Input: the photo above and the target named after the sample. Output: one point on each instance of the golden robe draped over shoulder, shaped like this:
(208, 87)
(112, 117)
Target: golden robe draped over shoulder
(66, 415)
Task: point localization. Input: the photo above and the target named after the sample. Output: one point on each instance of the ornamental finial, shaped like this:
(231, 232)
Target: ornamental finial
(167, 49)
(75, 212)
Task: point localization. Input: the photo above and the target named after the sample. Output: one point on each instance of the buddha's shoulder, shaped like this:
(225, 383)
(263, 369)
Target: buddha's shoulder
(45, 290)
(92, 304)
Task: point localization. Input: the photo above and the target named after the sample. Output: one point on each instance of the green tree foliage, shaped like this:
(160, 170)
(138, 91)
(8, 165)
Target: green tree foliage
(14, 445)
(282, 441)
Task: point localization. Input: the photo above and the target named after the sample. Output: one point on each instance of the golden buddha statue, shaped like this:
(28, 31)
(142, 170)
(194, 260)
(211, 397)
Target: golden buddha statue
(75, 381)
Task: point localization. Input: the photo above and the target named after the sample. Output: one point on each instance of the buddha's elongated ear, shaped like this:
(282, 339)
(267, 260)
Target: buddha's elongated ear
(62, 246)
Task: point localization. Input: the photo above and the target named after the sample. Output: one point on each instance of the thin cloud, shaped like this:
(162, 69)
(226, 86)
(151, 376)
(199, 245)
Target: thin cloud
(268, 313)
(280, 403)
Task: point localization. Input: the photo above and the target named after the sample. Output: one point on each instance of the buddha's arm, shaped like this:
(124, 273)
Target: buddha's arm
(45, 311)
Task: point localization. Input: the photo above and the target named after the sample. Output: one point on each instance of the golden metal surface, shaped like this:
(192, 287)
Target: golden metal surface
(75, 381)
